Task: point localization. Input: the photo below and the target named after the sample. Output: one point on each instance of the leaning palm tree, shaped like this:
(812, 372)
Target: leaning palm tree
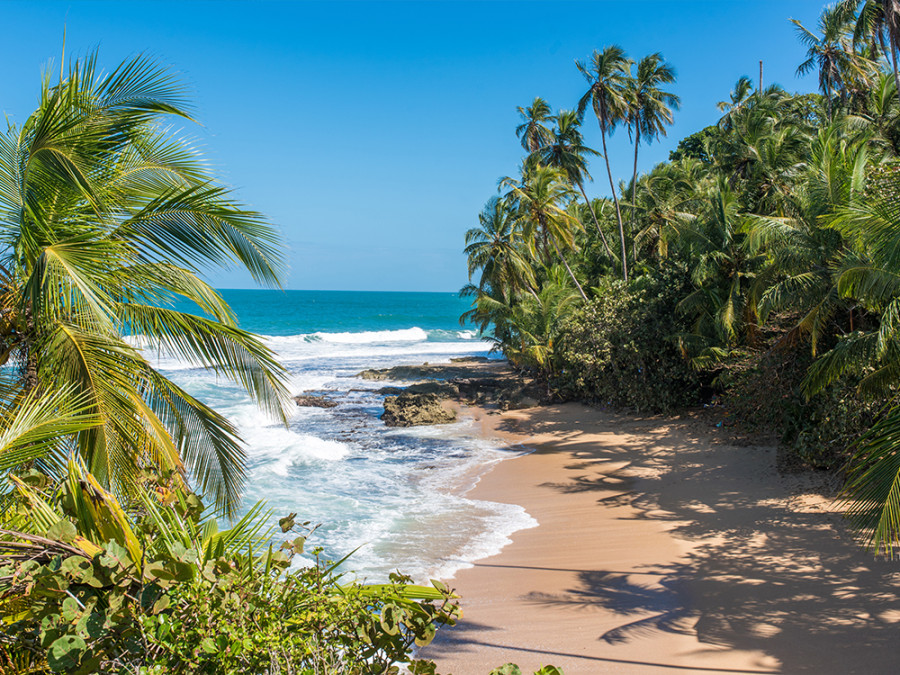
(533, 132)
(108, 217)
(568, 153)
(606, 75)
(649, 108)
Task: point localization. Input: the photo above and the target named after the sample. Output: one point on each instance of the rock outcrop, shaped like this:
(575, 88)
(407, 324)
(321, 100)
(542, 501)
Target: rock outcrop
(410, 410)
(314, 401)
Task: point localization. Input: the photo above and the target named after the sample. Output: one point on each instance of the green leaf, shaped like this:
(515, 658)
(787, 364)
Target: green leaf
(65, 653)
(70, 609)
(508, 669)
(62, 531)
(209, 646)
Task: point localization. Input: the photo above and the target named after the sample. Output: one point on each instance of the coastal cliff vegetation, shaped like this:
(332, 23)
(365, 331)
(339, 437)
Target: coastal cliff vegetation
(756, 269)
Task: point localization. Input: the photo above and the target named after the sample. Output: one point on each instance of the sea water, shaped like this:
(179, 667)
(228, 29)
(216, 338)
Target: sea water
(396, 495)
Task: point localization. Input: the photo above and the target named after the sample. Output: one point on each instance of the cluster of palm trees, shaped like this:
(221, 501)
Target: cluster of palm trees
(538, 224)
(785, 214)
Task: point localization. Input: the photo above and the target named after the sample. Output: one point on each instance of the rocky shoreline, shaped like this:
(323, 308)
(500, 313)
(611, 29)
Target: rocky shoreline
(432, 388)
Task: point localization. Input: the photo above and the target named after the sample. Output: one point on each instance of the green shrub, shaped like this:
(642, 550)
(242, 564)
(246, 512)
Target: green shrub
(763, 393)
(620, 349)
(158, 588)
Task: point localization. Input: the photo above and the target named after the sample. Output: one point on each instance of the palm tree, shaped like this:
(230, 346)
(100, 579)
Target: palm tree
(803, 255)
(871, 224)
(542, 196)
(649, 109)
(606, 75)
(878, 21)
(743, 88)
(568, 153)
(830, 52)
(107, 218)
(724, 269)
(533, 132)
(496, 248)
(668, 200)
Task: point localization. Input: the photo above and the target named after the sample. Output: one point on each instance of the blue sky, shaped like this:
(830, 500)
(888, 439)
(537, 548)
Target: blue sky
(372, 133)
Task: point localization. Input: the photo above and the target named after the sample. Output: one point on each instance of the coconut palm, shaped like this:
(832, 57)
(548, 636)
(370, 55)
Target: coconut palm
(803, 254)
(108, 217)
(533, 131)
(568, 153)
(606, 74)
(831, 53)
(537, 321)
(877, 22)
(542, 197)
(496, 248)
(743, 88)
(649, 109)
(668, 200)
(722, 304)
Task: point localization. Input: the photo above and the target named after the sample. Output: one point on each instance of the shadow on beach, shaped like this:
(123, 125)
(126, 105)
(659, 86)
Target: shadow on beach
(770, 567)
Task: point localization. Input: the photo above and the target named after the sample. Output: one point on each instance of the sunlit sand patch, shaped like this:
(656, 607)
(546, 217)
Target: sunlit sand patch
(765, 629)
(890, 616)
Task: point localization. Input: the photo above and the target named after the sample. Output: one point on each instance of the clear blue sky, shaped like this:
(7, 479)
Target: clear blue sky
(372, 133)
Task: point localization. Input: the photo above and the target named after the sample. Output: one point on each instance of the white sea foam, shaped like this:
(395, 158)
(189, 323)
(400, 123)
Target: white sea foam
(394, 493)
(414, 334)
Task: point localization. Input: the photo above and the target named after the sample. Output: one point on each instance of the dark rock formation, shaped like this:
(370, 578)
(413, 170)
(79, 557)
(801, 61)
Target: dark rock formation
(409, 410)
(313, 401)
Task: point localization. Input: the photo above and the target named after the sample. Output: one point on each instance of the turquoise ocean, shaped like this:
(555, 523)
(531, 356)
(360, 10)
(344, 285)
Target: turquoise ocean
(396, 495)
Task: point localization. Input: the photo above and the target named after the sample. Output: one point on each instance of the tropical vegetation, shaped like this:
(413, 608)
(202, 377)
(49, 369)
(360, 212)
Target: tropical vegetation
(110, 558)
(757, 269)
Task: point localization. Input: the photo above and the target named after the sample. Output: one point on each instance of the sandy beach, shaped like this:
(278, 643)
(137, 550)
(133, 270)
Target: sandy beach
(662, 548)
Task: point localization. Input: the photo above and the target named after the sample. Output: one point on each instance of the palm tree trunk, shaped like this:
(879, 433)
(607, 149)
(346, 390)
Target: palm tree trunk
(637, 143)
(894, 66)
(596, 222)
(616, 202)
(569, 270)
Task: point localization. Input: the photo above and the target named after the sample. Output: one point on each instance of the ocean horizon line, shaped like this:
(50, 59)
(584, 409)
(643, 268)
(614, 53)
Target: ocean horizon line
(332, 290)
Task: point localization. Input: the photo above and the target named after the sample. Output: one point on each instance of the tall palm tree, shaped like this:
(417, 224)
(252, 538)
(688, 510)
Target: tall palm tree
(831, 53)
(533, 132)
(107, 217)
(542, 196)
(649, 109)
(877, 21)
(606, 74)
(568, 153)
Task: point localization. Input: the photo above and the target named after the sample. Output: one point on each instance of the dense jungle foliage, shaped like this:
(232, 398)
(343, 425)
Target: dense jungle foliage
(758, 268)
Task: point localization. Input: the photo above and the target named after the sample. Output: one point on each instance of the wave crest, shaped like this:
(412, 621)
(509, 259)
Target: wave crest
(414, 334)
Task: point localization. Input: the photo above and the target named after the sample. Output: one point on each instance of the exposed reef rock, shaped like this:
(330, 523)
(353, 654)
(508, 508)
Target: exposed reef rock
(313, 401)
(474, 380)
(410, 410)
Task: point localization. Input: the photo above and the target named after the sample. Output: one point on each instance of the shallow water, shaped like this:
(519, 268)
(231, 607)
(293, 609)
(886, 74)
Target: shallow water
(395, 494)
